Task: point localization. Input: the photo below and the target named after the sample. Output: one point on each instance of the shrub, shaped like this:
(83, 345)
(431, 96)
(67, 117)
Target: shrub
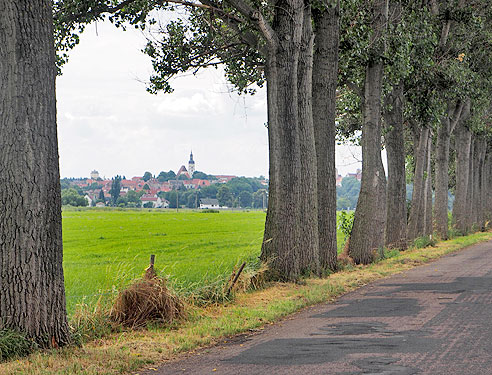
(14, 344)
(424, 241)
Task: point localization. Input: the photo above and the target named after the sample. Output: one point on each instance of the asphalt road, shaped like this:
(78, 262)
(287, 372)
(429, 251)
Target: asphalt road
(434, 319)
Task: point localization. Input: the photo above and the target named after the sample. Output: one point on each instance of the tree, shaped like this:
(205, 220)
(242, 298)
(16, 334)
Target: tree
(370, 216)
(224, 196)
(72, 198)
(32, 292)
(147, 176)
(101, 196)
(245, 199)
(115, 189)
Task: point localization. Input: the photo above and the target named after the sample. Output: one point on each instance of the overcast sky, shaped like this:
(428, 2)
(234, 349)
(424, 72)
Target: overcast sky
(108, 122)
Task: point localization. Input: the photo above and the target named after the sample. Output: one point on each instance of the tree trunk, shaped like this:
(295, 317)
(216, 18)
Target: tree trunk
(478, 156)
(469, 190)
(309, 186)
(416, 219)
(428, 190)
(396, 212)
(463, 143)
(290, 241)
(370, 215)
(456, 113)
(32, 294)
(325, 72)
(487, 190)
(482, 185)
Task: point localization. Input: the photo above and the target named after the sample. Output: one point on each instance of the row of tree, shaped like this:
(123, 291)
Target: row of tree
(417, 71)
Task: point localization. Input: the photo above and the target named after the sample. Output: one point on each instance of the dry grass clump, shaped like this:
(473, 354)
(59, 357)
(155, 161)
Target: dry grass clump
(344, 259)
(146, 300)
(251, 278)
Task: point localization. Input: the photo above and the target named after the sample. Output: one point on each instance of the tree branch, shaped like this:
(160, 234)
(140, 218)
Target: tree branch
(258, 19)
(352, 86)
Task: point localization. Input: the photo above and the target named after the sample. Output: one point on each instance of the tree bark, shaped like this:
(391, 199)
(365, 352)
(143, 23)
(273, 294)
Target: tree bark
(463, 144)
(487, 191)
(417, 213)
(396, 212)
(325, 73)
(290, 241)
(32, 294)
(447, 125)
(428, 190)
(470, 190)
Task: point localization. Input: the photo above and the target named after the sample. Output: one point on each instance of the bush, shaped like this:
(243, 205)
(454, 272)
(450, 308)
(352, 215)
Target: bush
(345, 222)
(210, 211)
(14, 344)
(425, 241)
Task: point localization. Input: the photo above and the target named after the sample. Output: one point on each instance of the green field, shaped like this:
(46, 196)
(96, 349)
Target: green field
(104, 248)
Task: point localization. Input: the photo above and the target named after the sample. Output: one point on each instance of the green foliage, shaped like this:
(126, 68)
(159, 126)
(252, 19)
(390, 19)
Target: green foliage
(348, 193)
(224, 196)
(73, 198)
(14, 344)
(245, 199)
(166, 176)
(115, 189)
(147, 176)
(203, 176)
(345, 222)
(424, 241)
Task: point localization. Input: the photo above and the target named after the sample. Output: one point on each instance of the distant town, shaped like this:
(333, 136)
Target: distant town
(187, 188)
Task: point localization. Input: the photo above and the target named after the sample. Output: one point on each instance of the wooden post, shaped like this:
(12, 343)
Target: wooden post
(149, 271)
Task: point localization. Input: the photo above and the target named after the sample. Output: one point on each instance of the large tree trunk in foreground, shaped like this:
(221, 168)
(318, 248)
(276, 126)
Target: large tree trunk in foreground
(325, 72)
(396, 211)
(32, 294)
(417, 210)
(291, 237)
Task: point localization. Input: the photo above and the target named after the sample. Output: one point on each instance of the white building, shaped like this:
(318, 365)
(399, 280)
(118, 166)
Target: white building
(89, 200)
(209, 203)
(154, 199)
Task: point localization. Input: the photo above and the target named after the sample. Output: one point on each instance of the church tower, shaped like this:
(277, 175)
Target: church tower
(191, 165)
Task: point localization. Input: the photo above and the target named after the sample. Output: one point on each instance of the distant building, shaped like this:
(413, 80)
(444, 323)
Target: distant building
(89, 200)
(182, 171)
(154, 199)
(338, 178)
(222, 179)
(191, 166)
(100, 204)
(94, 175)
(209, 203)
(357, 174)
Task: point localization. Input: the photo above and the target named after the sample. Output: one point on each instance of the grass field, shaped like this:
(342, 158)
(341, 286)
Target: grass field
(105, 248)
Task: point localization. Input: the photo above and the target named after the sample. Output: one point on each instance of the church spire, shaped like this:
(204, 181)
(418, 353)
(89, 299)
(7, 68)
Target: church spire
(191, 165)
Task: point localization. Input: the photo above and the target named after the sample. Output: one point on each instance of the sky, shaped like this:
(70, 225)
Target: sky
(108, 122)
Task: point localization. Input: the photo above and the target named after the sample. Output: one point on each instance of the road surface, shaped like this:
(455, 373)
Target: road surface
(434, 319)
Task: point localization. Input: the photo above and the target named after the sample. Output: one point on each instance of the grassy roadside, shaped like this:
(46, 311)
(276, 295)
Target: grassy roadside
(127, 352)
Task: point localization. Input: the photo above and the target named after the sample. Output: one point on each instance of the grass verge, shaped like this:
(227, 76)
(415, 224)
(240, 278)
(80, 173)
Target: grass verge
(129, 351)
